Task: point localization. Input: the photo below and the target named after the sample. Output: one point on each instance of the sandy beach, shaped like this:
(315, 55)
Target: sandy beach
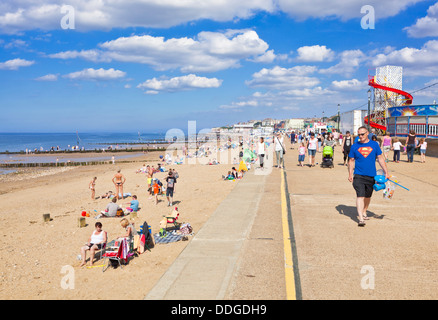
(35, 254)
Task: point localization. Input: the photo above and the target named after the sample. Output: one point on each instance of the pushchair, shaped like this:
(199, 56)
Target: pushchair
(327, 157)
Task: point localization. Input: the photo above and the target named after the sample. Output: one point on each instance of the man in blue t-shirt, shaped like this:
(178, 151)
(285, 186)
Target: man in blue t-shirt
(363, 155)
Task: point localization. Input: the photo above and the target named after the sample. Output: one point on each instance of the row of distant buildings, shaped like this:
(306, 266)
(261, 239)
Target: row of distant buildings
(269, 125)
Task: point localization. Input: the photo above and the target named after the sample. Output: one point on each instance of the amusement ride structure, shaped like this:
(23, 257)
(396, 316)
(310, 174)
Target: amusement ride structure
(387, 85)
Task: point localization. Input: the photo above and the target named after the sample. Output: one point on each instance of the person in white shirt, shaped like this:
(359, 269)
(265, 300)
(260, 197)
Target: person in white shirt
(396, 147)
(96, 242)
(312, 145)
(261, 151)
(278, 147)
(423, 146)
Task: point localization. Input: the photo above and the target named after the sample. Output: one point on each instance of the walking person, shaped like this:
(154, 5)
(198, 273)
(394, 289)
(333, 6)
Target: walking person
(312, 145)
(171, 180)
(386, 145)
(396, 148)
(261, 151)
(411, 143)
(362, 170)
(301, 154)
(423, 146)
(292, 138)
(347, 142)
(279, 149)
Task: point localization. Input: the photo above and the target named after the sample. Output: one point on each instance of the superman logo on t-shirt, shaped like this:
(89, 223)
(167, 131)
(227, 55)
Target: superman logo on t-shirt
(365, 151)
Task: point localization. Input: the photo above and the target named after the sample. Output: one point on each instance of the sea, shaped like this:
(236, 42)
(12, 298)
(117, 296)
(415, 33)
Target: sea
(19, 142)
(13, 146)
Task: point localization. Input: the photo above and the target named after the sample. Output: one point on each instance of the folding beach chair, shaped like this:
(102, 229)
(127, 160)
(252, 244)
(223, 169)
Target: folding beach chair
(173, 220)
(117, 253)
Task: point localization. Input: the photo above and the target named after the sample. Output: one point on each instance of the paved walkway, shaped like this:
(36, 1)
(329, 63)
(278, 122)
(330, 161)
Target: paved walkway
(395, 256)
(205, 268)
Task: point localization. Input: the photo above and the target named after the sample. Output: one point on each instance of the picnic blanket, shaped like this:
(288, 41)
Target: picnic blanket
(167, 238)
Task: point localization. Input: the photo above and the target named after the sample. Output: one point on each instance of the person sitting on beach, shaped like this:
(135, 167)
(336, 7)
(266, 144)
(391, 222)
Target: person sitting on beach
(229, 176)
(234, 172)
(129, 230)
(112, 210)
(96, 241)
(118, 181)
(92, 186)
(133, 204)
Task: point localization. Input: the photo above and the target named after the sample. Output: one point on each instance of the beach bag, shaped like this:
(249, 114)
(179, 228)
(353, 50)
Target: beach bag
(284, 151)
(120, 212)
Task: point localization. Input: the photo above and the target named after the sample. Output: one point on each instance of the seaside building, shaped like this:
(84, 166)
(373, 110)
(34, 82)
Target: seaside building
(423, 119)
(243, 128)
(297, 124)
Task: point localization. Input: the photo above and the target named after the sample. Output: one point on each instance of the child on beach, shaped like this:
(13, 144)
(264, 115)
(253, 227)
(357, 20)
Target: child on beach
(92, 186)
(396, 147)
(133, 204)
(301, 154)
(423, 147)
(229, 176)
(156, 189)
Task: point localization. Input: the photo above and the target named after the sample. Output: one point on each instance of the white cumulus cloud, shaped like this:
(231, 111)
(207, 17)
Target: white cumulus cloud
(349, 85)
(426, 26)
(279, 78)
(183, 83)
(96, 74)
(207, 52)
(415, 62)
(48, 77)
(315, 53)
(14, 64)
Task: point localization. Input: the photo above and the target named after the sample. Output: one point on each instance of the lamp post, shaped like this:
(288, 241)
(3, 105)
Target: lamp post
(369, 107)
(339, 117)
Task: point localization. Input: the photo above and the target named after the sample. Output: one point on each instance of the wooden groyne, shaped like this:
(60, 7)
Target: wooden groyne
(63, 164)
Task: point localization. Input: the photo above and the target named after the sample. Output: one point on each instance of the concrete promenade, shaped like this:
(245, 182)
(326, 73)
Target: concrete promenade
(205, 268)
(240, 252)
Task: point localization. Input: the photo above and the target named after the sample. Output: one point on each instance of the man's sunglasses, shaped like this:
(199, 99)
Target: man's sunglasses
(362, 134)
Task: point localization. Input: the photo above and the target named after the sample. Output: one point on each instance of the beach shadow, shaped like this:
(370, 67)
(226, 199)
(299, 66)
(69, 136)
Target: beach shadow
(351, 212)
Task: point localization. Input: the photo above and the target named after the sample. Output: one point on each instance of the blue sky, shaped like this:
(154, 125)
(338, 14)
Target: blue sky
(154, 65)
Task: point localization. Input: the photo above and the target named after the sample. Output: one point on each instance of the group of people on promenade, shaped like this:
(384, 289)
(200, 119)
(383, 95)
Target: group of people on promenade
(279, 149)
(311, 143)
(360, 154)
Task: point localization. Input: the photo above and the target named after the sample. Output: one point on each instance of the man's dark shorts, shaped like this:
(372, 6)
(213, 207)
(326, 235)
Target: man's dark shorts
(169, 192)
(363, 185)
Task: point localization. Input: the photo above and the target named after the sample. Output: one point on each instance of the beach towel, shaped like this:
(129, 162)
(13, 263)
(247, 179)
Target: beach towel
(167, 238)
